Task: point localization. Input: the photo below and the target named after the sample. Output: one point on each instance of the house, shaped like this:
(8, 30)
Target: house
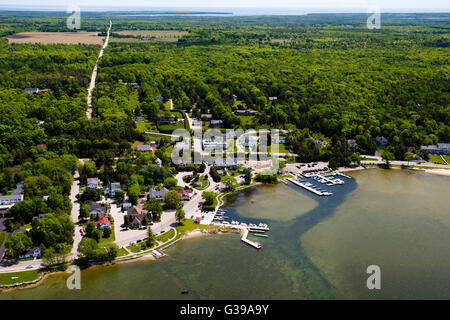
(158, 162)
(126, 205)
(31, 253)
(139, 119)
(93, 183)
(186, 194)
(42, 146)
(206, 116)
(352, 143)
(219, 144)
(226, 163)
(169, 120)
(96, 209)
(249, 141)
(160, 195)
(198, 220)
(144, 148)
(152, 144)
(32, 90)
(183, 145)
(247, 113)
(216, 124)
(136, 216)
(10, 200)
(440, 148)
(103, 222)
(36, 90)
(279, 140)
(111, 189)
(381, 141)
(321, 143)
(273, 98)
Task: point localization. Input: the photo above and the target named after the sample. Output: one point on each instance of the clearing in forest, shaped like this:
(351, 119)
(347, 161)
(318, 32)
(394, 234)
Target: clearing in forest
(56, 38)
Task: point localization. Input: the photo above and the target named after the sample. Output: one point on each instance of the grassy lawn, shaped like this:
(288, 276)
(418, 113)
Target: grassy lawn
(134, 248)
(166, 236)
(435, 158)
(168, 128)
(145, 126)
(122, 252)
(111, 239)
(281, 149)
(17, 277)
(2, 237)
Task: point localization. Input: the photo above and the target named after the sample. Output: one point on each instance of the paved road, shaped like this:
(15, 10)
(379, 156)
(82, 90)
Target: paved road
(74, 191)
(94, 75)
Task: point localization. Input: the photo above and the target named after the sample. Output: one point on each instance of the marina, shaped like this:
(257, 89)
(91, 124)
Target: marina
(310, 187)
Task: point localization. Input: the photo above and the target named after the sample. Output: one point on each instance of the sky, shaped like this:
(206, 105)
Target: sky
(329, 4)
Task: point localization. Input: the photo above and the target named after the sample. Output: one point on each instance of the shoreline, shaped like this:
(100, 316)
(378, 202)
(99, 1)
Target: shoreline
(435, 171)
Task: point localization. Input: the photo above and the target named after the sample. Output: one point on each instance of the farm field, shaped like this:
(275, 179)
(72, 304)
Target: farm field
(56, 38)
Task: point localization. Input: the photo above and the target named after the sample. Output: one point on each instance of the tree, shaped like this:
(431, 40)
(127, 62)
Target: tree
(87, 248)
(126, 221)
(180, 214)
(90, 227)
(96, 235)
(155, 208)
(145, 221)
(248, 176)
(387, 156)
(119, 196)
(16, 244)
(209, 197)
(133, 193)
(107, 232)
(150, 238)
(230, 182)
(170, 183)
(409, 156)
(172, 199)
(84, 211)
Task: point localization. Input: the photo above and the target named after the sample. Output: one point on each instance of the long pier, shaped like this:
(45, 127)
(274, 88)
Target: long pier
(344, 175)
(304, 186)
(256, 245)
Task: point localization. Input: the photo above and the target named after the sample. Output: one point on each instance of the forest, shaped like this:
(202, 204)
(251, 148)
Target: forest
(323, 78)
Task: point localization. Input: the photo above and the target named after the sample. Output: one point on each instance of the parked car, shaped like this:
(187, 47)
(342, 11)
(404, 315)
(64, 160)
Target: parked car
(139, 241)
(162, 232)
(132, 243)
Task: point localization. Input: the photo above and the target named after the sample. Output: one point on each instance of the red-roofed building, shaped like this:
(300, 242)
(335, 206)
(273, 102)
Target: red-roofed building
(198, 220)
(103, 222)
(42, 145)
(186, 194)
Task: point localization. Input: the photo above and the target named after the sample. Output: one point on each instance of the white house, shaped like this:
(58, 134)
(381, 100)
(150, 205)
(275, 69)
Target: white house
(31, 253)
(93, 183)
(112, 188)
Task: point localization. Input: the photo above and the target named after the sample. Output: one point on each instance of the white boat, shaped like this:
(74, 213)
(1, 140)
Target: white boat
(252, 225)
(243, 224)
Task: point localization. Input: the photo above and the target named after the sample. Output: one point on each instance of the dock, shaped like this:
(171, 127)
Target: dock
(249, 242)
(344, 175)
(311, 189)
(329, 181)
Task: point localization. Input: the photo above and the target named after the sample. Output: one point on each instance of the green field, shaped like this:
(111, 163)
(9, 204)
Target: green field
(17, 277)
(145, 126)
(435, 158)
(2, 237)
(166, 236)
